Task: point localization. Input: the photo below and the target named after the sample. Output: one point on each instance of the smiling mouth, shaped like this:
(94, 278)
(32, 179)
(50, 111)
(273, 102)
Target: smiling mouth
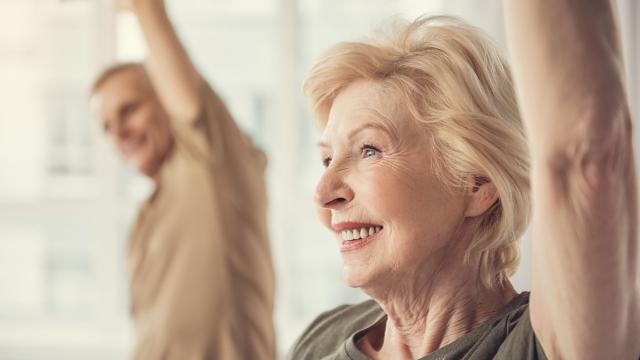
(359, 233)
(130, 146)
(354, 239)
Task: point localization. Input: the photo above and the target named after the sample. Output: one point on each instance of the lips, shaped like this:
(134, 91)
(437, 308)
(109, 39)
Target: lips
(351, 225)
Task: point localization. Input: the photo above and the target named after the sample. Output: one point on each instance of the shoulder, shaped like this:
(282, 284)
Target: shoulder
(213, 136)
(330, 330)
(519, 339)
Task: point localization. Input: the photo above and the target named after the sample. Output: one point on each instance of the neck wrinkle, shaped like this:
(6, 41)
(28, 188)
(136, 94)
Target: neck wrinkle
(442, 321)
(425, 313)
(434, 304)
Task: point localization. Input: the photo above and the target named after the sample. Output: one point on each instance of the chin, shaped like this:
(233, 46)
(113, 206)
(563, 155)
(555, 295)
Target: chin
(371, 277)
(358, 276)
(149, 170)
(145, 166)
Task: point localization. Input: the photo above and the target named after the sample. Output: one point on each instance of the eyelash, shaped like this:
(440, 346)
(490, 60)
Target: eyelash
(364, 148)
(326, 161)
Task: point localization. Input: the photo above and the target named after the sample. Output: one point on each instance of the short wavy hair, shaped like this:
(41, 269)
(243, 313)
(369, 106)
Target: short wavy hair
(453, 80)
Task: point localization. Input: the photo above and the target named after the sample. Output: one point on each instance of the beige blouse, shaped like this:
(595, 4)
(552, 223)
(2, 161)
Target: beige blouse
(202, 279)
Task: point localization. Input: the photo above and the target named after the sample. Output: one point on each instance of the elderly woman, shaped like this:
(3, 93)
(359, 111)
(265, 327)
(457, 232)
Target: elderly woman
(426, 187)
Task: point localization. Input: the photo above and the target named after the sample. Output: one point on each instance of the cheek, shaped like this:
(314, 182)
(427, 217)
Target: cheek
(144, 120)
(390, 192)
(149, 125)
(159, 128)
(413, 203)
(435, 217)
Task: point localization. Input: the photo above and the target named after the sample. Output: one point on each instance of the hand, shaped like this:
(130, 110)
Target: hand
(131, 5)
(123, 5)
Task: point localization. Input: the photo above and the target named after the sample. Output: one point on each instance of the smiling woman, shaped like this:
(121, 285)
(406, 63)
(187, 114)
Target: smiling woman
(446, 99)
(426, 188)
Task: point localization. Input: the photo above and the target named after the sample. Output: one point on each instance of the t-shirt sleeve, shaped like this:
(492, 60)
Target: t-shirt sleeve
(214, 136)
(328, 335)
(521, 338)
(305, 345)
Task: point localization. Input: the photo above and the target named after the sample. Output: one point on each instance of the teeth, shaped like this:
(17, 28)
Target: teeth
(355, 234)
(132, 145)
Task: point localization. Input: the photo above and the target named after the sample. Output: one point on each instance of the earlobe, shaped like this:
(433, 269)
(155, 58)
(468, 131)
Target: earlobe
(482, 196)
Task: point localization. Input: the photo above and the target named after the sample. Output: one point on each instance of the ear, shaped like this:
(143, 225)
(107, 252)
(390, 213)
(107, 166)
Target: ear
(483, 195)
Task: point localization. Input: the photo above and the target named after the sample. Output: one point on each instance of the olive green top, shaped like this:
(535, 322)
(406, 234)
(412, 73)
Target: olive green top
(506, 336)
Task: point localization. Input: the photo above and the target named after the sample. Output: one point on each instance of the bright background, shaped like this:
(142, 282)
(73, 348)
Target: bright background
(67, 201)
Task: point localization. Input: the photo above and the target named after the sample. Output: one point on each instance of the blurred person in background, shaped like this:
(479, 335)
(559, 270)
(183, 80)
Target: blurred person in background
(202, 280)
(428, 186)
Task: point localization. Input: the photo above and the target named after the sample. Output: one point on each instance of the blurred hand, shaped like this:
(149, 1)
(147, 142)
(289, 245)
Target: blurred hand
(123, 5)
(128, 5)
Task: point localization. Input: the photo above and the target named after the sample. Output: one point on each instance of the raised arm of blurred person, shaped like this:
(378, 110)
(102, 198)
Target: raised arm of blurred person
(173, 74)
(569, 75)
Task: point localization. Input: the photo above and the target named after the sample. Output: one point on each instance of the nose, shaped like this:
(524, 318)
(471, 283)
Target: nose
(332, 192)
(119, 131)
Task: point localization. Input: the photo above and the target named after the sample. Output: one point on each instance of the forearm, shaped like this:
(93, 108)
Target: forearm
(584, 300)
(173, 74)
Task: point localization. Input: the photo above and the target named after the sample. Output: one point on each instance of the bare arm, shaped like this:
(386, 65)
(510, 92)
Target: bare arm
(175, 78)
(570, 82)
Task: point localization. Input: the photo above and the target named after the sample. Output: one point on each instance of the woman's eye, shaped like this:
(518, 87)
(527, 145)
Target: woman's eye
(369, 150)
(326, 161)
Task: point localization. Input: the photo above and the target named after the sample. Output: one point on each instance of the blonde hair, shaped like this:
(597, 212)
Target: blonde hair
(453, 80)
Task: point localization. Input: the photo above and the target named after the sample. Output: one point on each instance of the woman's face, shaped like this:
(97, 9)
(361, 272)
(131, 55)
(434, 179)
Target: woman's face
(390, 216)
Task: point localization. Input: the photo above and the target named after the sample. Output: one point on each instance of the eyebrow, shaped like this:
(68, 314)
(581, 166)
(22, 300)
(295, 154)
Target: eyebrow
(357, 130)
(370, 125)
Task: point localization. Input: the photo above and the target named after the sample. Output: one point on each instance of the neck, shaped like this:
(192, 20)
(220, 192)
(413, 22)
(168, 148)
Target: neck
(155, 172)
(426, 313)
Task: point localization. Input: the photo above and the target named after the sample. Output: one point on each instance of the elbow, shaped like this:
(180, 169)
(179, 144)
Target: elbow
(590, 178)
(596, 150)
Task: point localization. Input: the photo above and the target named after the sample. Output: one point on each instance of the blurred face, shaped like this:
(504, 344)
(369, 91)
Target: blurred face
(390, 216)
(133, 118)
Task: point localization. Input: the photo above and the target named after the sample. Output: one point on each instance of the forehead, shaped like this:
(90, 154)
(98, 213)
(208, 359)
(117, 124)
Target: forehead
(132, 78)
(118, 89)
(365, 101)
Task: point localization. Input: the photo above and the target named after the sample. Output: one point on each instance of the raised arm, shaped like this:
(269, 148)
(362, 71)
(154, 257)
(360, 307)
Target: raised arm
(569, 78)
(175, 78)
